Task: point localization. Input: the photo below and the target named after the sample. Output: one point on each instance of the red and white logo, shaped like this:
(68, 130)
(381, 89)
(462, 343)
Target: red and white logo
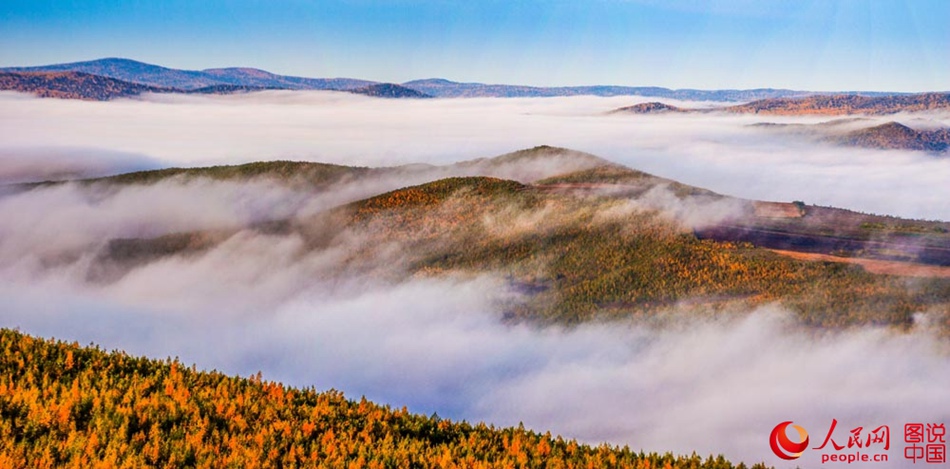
(784, 447)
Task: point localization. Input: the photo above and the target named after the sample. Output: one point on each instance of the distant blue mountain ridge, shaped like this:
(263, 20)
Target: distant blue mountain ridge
(243, 78)
(188, 80)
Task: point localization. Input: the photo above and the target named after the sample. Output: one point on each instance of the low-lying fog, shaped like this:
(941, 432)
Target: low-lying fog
(260, 302)
(709, 150)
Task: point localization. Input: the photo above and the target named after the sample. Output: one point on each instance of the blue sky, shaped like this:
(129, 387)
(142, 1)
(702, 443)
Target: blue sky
(803, 44)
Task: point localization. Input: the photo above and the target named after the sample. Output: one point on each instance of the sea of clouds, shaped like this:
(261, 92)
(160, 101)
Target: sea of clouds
(714, 151)
(265, 301)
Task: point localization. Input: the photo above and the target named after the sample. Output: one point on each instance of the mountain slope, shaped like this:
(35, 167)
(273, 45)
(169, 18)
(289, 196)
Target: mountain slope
(862, 132)
(597, 257)
(62, 405)
(846, 104)
(288, 172)
(827, 105)
(131, 71)
(527, 166)
(255, 77)
(894, 135)
(72, 85)
(163, 77)
(389, 90)
(582, 240)
(649, 108)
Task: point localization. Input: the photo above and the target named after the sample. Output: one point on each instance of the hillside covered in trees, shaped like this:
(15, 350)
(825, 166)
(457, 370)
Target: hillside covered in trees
(599, 241)
(62, 405)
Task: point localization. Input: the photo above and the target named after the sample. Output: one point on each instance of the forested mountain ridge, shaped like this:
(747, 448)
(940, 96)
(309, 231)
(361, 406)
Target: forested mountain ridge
(579, 237)
(62, 405)
(72, 85)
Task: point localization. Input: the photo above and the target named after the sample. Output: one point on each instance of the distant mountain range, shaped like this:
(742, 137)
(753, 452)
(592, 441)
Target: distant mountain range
(141, 73)
(250, 79)
(154, 75)
(825, 105)
(139, 77)
(449, 89)
(122, 78)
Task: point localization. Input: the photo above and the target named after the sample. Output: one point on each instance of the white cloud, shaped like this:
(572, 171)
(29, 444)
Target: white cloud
(709, 150)
(261, 301)
(35, 164)
(435, 345)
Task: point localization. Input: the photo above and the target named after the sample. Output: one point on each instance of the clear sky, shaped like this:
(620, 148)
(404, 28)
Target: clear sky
(821, 45)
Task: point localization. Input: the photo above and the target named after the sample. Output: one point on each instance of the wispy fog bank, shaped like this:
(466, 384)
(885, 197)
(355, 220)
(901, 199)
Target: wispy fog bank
(714, 151)
(264, 301)
(436, 346)
(298, 310)
(35, 164)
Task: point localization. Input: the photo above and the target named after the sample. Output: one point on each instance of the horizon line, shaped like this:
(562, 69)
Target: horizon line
(16, 68)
